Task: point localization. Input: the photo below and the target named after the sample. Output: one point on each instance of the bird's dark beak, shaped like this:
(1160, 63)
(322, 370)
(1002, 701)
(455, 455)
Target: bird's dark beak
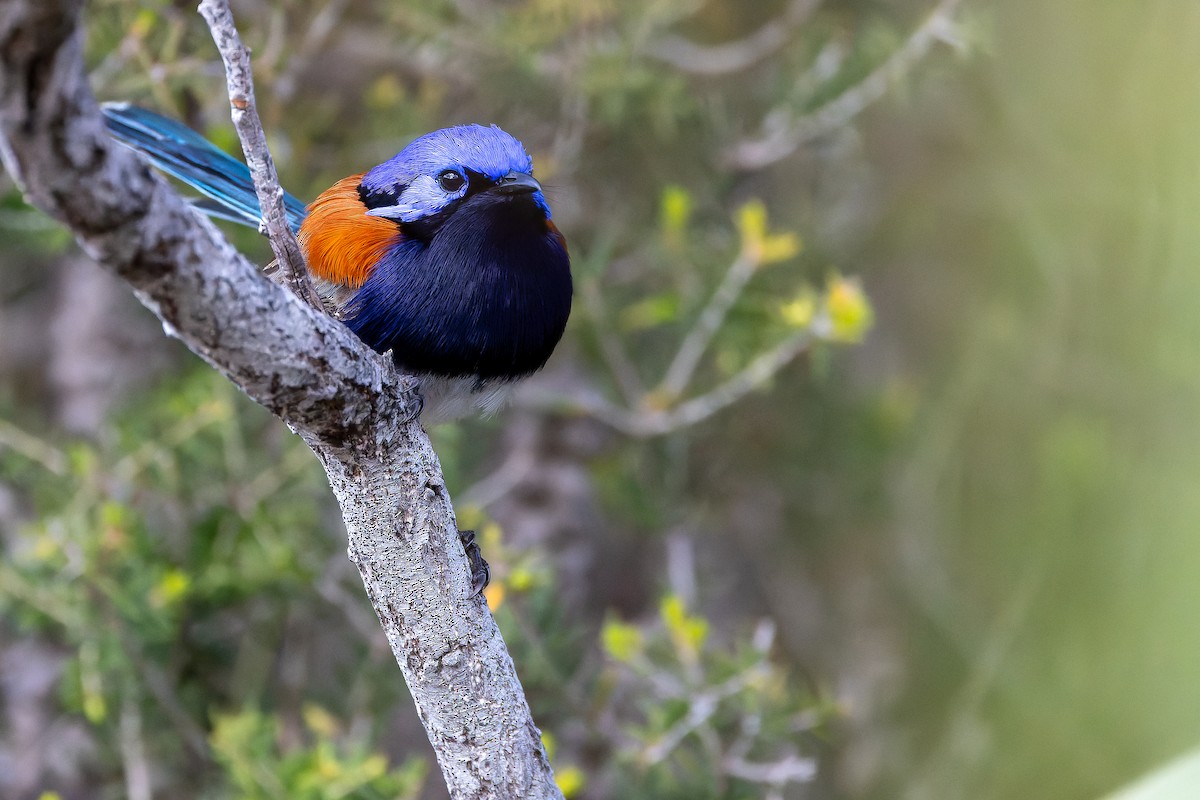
(517, 183)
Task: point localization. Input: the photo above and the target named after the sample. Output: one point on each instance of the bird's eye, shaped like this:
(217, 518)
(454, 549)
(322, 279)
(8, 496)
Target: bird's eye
(451, 181)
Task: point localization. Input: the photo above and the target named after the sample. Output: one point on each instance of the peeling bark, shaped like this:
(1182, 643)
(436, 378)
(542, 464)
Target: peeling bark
(348, 404)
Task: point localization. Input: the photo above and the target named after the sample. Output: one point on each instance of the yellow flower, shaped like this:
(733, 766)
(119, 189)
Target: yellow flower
(850, 314)
(494, 594)
(799, 312)
(620, 640)
(761, 247)
(779, 247)
(570, 781)
(171, 587)
(687, 631)
(675, 211)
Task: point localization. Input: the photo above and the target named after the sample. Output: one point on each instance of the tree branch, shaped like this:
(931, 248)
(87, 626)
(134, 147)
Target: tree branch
(348, 404)
(691, 350)
(643, 421)
(615, 356)
(254, 145)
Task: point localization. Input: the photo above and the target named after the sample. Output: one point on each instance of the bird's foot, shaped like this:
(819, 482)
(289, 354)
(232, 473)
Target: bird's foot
(481, 574)
(414, 402)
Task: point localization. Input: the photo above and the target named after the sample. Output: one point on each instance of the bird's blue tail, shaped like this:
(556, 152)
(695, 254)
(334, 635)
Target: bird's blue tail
(181, 152)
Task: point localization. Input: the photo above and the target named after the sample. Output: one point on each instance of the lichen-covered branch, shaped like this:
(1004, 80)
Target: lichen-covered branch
(348, 404)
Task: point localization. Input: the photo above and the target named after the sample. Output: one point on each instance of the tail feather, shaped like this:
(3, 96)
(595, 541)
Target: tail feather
(182, 153)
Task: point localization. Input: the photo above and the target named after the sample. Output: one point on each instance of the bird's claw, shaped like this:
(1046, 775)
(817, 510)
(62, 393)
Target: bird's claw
(481, 574)
(414, 402)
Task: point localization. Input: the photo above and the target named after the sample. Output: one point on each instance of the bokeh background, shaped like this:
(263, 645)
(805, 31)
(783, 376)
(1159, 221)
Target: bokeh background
(959, 558)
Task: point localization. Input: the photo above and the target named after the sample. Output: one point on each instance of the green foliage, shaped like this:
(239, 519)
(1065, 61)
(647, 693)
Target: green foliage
(247, 746)
(167, 561)
(701, 719)
(27, 229)
(669, 711)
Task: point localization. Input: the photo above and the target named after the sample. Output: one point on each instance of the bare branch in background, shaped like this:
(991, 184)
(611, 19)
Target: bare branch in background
(501, 480)
(643, 421)
(320, 30)
(254, 144)
(687, 358)
(687, 56)
(784, 133)
(776, 774)
(36, 450)
(347, 403)
(754, 375)
(612, 349)
(133, 751)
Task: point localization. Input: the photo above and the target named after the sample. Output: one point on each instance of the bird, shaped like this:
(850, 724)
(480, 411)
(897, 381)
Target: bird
(446, 254)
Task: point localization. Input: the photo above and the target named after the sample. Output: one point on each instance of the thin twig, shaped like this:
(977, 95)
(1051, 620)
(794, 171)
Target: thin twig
(702, 706)
(986, 673)
(133, 749)
(644, 423)
(502, 480)
(611, 349)
(788, 769)
(254, 144)
(164, 692)
(330, 587)
(320, 29)
(569, 133)
(681, 564)
(683, 366)
(758, 372)
(33, 448)
(721, 59)
(155, 680)
(785, 134)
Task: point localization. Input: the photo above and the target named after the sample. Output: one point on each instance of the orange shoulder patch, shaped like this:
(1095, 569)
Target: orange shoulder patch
(554, 231)
(341, 243)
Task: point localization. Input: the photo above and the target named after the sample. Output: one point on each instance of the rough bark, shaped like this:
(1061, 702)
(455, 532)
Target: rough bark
(348, 404)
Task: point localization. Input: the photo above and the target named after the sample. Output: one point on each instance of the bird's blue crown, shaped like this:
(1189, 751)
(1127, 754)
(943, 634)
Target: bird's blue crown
(440, 168)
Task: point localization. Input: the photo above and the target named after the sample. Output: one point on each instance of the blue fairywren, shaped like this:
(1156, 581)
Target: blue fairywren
(445, 254)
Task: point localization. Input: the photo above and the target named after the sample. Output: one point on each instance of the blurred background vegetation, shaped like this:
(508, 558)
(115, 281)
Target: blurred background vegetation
(958, 559)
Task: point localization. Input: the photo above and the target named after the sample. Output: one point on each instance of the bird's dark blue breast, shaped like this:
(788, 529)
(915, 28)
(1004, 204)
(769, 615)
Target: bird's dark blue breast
(484, 291)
